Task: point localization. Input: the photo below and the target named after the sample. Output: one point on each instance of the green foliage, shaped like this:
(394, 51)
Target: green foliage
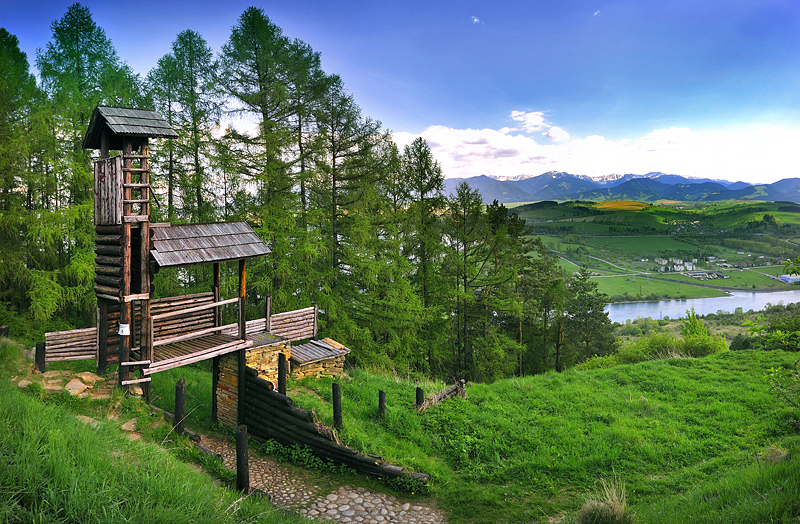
(785, 383)
(58, 469)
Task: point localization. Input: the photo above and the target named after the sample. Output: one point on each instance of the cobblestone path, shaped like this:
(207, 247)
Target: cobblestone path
(346, 504)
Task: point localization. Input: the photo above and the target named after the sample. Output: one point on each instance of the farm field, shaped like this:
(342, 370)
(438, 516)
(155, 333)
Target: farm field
(622, 288)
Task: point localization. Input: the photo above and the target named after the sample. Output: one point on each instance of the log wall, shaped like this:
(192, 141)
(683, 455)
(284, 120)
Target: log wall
(270, 415)
(264, 362)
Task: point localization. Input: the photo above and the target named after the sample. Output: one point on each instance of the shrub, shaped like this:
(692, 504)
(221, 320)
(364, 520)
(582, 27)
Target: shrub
(703, 345)
(741, 341)
(609, 506)
(599, 362)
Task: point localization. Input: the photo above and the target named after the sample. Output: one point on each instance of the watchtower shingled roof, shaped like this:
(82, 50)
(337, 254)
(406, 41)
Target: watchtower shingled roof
(126, 122)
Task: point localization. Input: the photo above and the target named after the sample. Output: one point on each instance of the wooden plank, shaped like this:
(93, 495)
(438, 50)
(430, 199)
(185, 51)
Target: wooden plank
(188, 336)
(193, 309)
(197, 357)
(55, 334)
(67, 359)
(107, 297)
(140, 296)
(135, 363)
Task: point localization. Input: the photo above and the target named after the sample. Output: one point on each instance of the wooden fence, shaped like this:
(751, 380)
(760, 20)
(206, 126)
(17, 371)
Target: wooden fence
(270, 415)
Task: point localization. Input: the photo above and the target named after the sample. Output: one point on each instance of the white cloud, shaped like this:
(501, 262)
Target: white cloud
(532, 121)
(596, 13)
(556, 134)
(754, 153)
(475, 20)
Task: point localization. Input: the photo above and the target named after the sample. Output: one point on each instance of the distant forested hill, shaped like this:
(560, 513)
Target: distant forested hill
(648, 188)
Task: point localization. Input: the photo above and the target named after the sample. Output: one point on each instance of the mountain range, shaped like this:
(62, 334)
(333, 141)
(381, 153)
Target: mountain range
(650, 187)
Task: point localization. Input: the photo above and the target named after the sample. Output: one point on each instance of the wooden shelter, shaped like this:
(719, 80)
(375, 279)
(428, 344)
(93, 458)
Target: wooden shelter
(130, 250)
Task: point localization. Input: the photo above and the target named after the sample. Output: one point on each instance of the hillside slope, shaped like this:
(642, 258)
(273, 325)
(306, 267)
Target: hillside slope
(528, 449)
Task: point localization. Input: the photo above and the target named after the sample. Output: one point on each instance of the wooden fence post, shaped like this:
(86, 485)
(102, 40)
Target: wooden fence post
(180, 406)
(337, 406)
(381, 402)
(282, 373)
(420, 397)
(4, 330)
(242, 464)
(40, 347)
(268, 312)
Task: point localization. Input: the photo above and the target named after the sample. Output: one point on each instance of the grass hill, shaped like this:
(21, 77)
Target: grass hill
(693, 440)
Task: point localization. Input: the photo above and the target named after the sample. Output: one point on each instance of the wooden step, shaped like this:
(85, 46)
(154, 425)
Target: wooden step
(136, 218)
(140, 201)
(135, 362)
(136, 186)
(135, 381)
(135, 157)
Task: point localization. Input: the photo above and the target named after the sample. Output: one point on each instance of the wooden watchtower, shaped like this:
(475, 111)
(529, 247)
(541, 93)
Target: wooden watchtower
(130, 250)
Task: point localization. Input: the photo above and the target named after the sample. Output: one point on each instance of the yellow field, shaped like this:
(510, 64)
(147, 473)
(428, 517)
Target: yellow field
(622, 205)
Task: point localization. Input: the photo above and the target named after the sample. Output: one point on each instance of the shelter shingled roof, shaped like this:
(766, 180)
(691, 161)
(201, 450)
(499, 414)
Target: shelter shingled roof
(124, 121)
(189, 244)
(316, 350)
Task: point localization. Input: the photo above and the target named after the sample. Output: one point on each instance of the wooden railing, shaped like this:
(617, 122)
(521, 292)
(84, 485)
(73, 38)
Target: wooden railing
(199, 332)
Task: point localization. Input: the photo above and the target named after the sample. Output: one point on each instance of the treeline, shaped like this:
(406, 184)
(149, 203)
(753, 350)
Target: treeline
(413, 281)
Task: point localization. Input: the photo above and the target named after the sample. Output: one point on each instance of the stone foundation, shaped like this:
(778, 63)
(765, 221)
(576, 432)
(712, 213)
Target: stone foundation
(333, 366)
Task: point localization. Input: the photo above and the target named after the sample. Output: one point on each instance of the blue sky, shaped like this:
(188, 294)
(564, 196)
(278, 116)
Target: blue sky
(698, 88)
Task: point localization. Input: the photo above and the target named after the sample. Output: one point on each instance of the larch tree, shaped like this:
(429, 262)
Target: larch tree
(197, 111)
(79, 69)
(588, 328)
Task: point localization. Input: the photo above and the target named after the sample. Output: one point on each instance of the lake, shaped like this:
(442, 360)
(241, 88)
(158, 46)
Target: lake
(677, 308)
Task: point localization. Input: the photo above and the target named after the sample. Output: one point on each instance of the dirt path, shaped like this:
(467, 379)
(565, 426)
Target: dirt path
(299, 493)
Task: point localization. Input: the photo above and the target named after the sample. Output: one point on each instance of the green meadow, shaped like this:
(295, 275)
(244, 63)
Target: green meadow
(531, 449)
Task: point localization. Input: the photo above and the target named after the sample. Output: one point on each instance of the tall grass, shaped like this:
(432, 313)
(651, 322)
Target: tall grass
(55, 468)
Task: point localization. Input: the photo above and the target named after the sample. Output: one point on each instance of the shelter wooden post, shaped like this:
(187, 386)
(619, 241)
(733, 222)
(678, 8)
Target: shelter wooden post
(337, 405)
(282, 373)
(40, 362)
(242, 459)
(381, 402)
(268, 312)
(242, 286)
(180, 406)
(216, 289)
(241, 389)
